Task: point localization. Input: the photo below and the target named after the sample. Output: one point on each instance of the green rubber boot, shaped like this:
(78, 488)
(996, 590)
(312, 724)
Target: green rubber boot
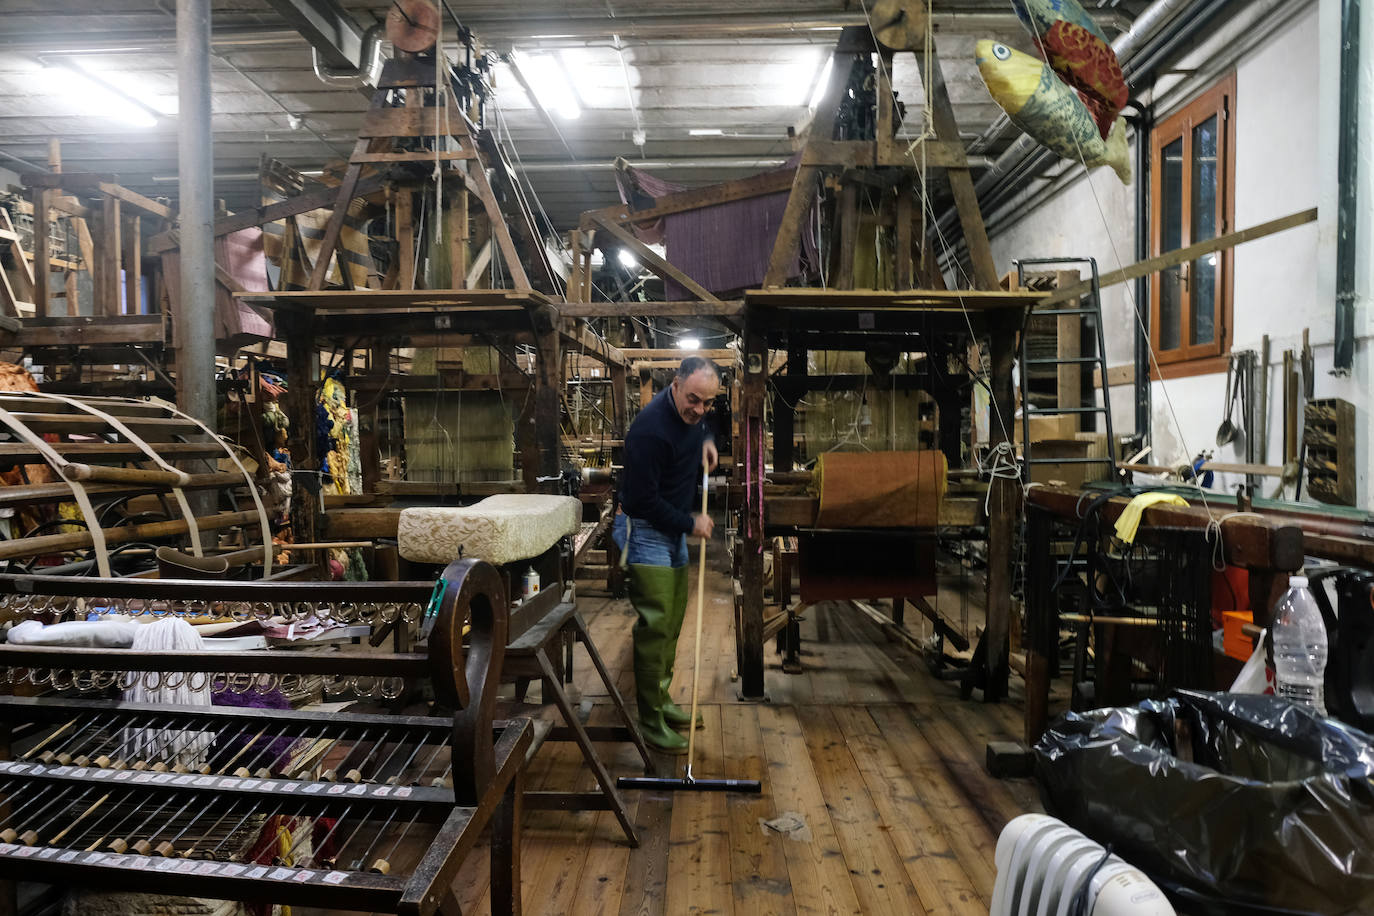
(652, 590)
(673, 714)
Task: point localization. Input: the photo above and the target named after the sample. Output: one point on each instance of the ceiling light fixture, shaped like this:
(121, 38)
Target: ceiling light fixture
(96, 97)
(626, 259)
(550, 84)
(705, 132)
(688, 343)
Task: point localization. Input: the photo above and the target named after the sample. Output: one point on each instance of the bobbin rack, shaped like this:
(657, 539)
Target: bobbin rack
(345, 810)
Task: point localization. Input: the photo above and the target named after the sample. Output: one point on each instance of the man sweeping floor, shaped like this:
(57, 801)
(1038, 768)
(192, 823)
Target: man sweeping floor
(664, 451)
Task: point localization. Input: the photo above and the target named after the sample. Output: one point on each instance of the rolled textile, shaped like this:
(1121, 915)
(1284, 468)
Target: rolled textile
(879, 489)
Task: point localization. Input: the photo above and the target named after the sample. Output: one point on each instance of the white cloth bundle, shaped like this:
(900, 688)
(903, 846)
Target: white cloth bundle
(170, 634)
(107, 633)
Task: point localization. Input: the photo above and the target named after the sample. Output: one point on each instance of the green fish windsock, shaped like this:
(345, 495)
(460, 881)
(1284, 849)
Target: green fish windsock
(1053, 115)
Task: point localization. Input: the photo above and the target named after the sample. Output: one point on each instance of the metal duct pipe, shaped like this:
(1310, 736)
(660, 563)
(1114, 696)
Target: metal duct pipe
(365, 73)
(1348, 193)
(672, 26)
(195, 163)
(130, 41)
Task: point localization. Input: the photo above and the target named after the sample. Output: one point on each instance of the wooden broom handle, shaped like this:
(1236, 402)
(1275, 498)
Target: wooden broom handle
(696, 643)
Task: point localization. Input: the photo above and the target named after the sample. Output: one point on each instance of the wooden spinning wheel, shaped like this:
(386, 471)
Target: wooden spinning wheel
(412, 25)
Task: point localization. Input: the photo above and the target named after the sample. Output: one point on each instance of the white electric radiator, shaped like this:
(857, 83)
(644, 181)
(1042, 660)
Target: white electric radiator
(1042, 863)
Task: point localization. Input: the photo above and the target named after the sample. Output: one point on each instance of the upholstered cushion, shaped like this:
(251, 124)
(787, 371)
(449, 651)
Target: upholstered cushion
(499, 529)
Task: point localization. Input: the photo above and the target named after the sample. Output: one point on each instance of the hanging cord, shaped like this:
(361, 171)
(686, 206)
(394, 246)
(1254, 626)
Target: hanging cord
(441, 128)
(1080, 905)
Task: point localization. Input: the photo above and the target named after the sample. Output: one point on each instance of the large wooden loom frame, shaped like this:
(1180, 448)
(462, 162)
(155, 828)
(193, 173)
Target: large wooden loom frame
(527, 313)
(793, 318)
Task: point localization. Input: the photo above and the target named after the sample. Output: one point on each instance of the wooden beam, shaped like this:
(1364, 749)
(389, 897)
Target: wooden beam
(1116, 375)
(245, 219)
(960, 179)
(652, 353)
(892, 300)
(1180, 255)
(583, 341)
(772, 182)
(689, 309)
(137, 200)
(804, 183)
(644, 364)
(653, 261)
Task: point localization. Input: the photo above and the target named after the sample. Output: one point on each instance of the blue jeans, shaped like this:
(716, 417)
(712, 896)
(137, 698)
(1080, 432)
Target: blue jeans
(647, 545)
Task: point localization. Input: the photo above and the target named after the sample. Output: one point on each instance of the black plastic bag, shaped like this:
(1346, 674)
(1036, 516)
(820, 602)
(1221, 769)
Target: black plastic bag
(1239, 803)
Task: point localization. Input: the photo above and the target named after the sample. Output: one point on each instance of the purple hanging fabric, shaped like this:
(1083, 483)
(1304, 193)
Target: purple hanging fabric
(725, 247)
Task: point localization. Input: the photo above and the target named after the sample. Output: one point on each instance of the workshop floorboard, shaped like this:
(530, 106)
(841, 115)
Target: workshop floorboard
(875, 797)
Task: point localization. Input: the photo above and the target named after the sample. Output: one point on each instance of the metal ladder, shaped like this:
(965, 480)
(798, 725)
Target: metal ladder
(1089, 304)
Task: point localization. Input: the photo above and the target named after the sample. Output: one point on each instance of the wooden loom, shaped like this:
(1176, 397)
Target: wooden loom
(348, 810)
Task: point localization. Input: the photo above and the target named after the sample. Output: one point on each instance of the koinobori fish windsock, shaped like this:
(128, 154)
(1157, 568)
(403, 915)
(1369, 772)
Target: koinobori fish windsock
(1048, 110)
(1078, 51)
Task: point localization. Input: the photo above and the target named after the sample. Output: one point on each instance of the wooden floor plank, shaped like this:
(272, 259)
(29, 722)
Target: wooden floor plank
(821, 883)
(758, 861)
(646, 882)
(989, 796)
(884, 765)
(880, 878)
(935, 872)
(699, 845)
(972, 841)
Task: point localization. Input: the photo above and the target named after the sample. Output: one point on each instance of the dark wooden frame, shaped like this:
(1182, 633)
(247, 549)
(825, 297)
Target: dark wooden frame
(488, 758)
(1219, 101)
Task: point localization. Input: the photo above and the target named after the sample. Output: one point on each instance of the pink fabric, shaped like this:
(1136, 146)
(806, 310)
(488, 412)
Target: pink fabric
(240, 254)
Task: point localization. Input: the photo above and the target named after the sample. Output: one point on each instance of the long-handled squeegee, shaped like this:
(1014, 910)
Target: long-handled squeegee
(690, 783)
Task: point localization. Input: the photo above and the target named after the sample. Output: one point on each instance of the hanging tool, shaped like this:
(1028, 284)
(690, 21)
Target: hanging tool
(690, 783)
(1262, 426)
(1226, 433)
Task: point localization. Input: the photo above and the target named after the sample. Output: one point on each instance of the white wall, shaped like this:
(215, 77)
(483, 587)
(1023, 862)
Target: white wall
(1285, 54)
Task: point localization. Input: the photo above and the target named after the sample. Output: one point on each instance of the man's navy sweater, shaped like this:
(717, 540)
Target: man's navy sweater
(662, 466)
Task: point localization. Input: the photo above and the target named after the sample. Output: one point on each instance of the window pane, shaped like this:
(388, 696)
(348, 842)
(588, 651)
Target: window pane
(1203, 273)
(1204, 226)
(1171, 237)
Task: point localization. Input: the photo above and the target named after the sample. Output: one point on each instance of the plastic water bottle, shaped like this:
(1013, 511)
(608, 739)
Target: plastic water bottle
(1300, 646)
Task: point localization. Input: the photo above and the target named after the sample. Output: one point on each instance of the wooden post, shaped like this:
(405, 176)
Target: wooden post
(1004, 495)
(133, 266)
(1069, 345)
(548, 387)
(619, 394)
(457, 230)
(42, 253)
(1041, 625)
(302, 375)
(505, 848)
(405, 237)
(646, 388)
(849, 235)
(784, 401)
(751, 450)
(960, 179)
(369, 445)
(111, 248)
(903, 274)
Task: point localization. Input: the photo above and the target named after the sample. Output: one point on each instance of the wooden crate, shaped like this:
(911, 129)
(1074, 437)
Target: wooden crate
(1329, 437)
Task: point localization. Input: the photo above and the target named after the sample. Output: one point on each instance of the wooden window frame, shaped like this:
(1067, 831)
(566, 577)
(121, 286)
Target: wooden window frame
(1219, 100)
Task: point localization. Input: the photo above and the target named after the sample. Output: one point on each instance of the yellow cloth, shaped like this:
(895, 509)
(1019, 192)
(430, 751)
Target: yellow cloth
(1129, 521)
